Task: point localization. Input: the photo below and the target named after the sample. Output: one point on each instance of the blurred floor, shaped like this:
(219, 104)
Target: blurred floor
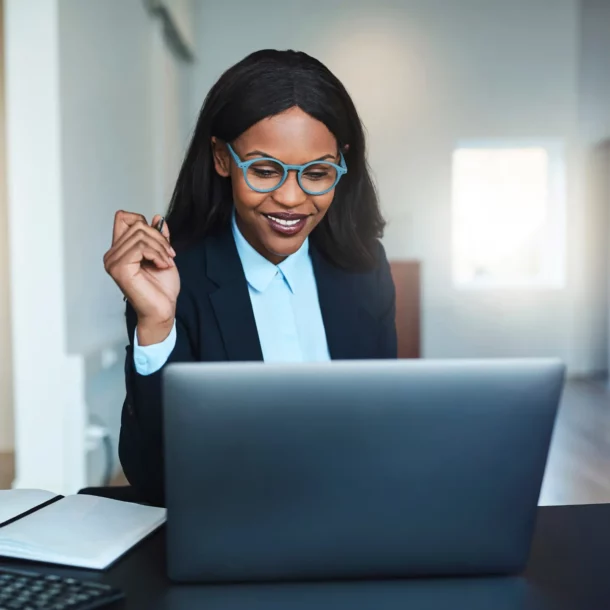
(578, 470)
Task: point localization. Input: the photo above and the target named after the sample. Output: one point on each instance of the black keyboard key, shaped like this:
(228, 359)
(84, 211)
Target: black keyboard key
(24, 590)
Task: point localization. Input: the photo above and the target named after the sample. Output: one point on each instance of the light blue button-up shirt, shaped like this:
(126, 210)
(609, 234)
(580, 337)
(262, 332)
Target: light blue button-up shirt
(286, 309)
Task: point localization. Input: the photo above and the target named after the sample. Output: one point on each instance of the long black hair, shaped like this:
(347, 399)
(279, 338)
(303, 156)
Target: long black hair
(262, 85)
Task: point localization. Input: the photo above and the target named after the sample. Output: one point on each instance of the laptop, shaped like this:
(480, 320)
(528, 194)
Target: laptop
(355, 469)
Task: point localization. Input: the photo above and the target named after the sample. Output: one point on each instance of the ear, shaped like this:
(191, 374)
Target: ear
(222, 163)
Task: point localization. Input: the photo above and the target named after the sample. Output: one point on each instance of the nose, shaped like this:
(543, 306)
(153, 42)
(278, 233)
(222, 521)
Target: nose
(290, 194)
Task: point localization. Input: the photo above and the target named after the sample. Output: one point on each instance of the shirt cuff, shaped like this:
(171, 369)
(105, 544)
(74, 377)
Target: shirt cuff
(148, 359)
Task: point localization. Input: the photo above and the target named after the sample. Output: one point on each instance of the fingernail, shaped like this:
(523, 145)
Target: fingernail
(172, 251)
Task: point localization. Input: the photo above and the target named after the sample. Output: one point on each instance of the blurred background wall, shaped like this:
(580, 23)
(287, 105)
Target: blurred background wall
(594, 131)
(6, 381)
(100, 105)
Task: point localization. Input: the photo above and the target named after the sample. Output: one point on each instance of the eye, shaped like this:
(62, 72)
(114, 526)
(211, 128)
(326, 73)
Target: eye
(317, 172)
(316, 175)
(264, 173)
(265, 170)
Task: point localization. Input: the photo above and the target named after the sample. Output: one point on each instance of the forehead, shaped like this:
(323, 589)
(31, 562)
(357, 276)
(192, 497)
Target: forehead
(294, 137)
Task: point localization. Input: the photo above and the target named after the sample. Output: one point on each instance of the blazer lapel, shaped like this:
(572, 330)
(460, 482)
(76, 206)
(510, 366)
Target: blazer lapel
(341, 310)
(231, 300)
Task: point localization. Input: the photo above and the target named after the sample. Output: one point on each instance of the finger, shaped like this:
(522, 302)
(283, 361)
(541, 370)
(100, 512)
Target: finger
(162, 236)
(160, 261)
(125, 254)
(122, 221)
(143, 241)
(143, 230)
(136, 255)
(159, 220)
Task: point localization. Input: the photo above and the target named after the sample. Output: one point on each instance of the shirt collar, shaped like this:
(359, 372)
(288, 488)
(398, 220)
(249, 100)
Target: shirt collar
(260, 272)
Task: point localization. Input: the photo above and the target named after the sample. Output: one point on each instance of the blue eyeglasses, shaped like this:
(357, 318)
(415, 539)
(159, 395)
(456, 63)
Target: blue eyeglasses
(265, 174)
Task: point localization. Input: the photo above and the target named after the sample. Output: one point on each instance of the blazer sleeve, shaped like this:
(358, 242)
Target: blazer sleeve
(141, 437)
(387, 341)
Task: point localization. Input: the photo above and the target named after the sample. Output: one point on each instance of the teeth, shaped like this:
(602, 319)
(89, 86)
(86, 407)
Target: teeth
(285, 223)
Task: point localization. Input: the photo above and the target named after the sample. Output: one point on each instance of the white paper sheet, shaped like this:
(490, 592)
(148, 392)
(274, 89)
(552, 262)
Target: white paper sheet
(83, 531)
(14, 502)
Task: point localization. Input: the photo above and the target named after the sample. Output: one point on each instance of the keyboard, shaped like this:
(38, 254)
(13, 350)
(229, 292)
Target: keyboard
(25, 590)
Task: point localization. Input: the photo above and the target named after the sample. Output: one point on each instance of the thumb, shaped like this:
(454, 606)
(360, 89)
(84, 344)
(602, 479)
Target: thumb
(159, 221)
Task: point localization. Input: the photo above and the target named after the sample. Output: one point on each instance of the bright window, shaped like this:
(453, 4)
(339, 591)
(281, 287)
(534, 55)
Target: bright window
(508, 208)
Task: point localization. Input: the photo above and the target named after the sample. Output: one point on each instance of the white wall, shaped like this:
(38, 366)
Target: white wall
(594, 118)
(6, 382)
(108, 152)
(90, 123)
(175, 121)
(49, 418)
(425, 74)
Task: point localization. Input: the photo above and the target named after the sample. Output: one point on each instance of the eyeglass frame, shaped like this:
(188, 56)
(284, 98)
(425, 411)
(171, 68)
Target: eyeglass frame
(244, 166)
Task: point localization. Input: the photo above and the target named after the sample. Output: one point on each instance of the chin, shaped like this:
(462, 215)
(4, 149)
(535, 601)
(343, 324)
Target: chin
(284, 247)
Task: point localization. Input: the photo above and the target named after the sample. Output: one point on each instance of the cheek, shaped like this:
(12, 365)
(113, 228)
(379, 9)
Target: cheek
(243, 196)
(324, 202)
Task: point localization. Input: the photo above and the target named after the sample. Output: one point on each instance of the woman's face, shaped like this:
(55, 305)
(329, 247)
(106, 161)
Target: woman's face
(294, 138)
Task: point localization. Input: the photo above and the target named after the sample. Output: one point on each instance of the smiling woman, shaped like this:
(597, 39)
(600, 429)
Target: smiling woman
(275, 251)
(279, 108)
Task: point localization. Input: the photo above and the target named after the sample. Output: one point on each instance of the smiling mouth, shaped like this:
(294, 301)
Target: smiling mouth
(286, 224)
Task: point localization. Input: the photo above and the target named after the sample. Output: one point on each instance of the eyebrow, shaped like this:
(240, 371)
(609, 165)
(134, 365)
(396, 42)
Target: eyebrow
(260, 153)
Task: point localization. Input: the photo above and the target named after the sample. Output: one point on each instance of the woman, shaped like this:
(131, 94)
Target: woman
(276, 224)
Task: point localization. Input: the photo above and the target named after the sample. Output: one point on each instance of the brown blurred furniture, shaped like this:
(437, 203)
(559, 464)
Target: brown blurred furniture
(7, 470)
(406, 275)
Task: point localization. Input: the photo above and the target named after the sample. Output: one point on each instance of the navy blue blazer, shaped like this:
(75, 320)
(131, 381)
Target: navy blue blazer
(215, 322)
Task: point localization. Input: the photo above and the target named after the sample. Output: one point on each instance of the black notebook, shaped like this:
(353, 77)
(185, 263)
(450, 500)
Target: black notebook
(80, 530)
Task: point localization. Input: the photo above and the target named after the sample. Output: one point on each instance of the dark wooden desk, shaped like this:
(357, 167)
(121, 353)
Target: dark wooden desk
(568, 569)
(406, 277)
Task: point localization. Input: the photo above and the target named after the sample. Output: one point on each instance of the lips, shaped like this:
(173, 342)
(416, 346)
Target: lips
(285, 223)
